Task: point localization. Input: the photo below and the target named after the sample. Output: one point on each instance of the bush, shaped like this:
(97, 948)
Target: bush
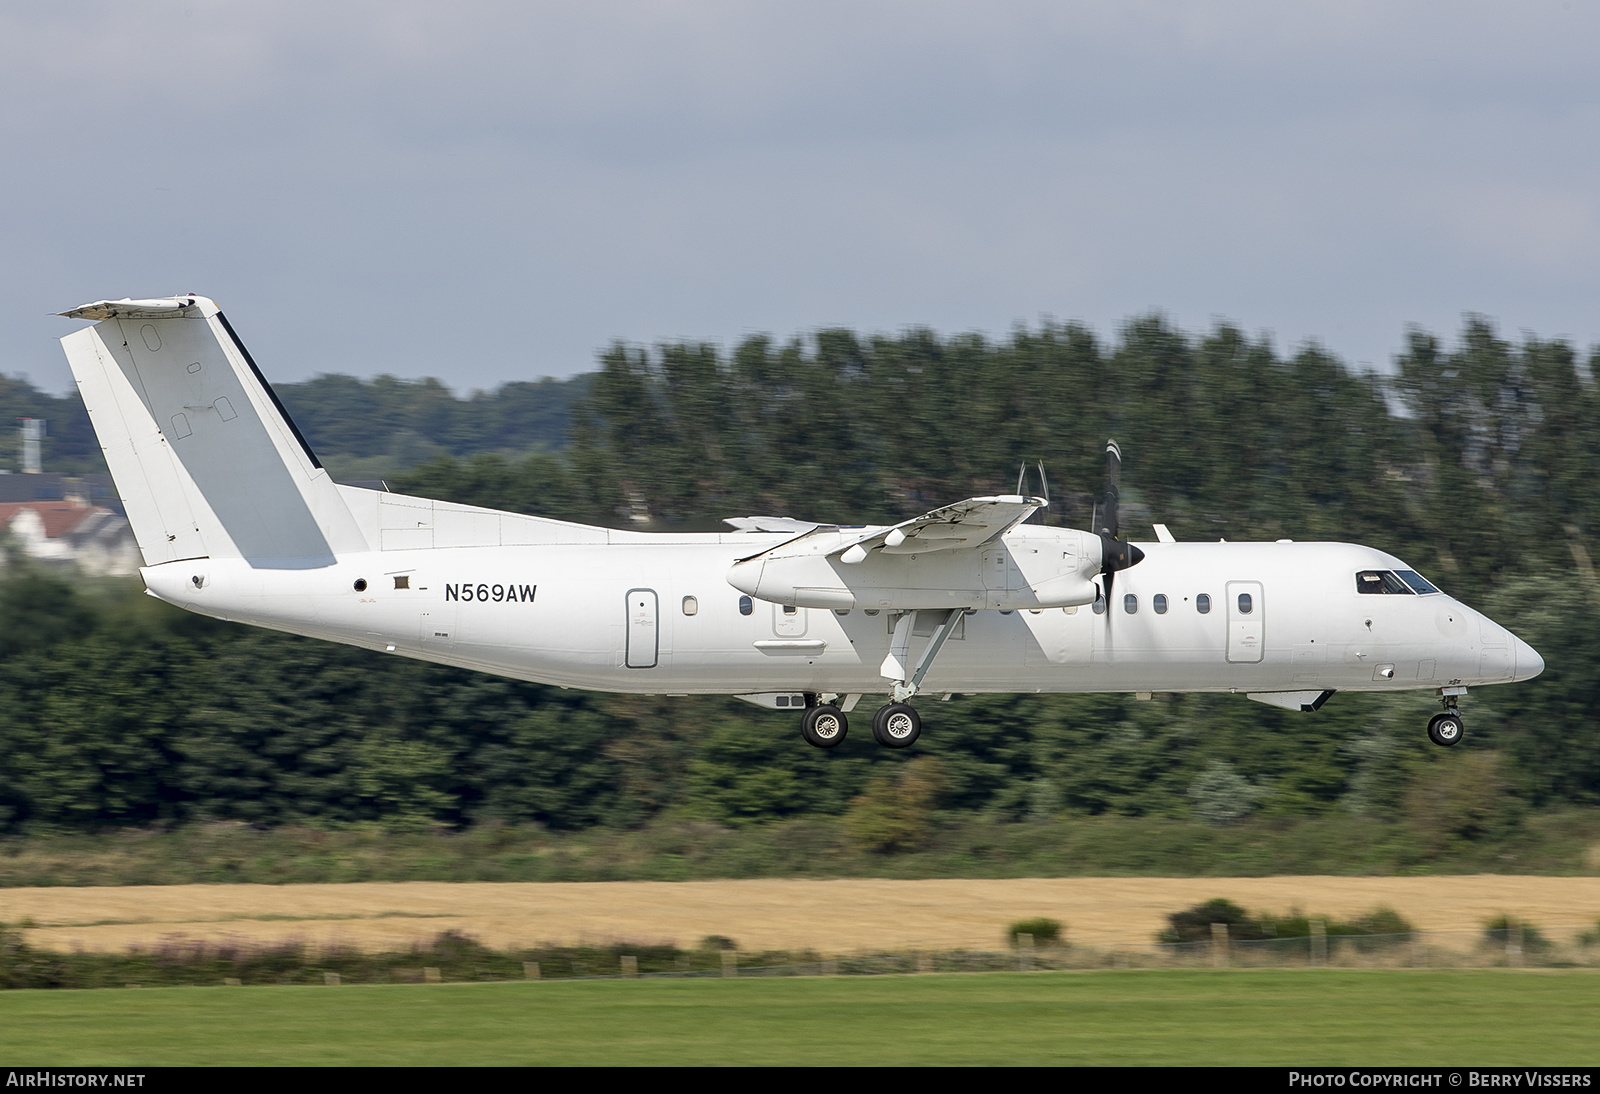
(1194, 924)
(895, 811)
(1045, 931)
(1500, 930)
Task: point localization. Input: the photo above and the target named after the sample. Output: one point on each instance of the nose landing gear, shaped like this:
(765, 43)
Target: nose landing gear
(1448, 729)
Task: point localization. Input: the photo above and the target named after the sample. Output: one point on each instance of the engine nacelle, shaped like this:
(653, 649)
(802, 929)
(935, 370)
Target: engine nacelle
(1028, 567)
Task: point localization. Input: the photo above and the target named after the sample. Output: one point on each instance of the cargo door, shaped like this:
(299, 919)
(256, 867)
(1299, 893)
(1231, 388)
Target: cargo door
(1246, 622)
(643, 641)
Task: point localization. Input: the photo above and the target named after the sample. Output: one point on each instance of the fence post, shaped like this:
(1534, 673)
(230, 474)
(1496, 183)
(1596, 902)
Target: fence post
(924, 962)
(430, 974)
(630, 966)
(1024, 952)
(1514, 942)
(1219, 945)
(530, 970)
(1419, 950)
(830, 966)
(1319, 942)
(730, 963)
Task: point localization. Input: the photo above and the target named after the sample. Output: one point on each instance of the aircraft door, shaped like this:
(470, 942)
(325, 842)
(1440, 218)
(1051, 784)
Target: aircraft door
(643, 640)
(788, 621)
(1246, 622)
(999, 570)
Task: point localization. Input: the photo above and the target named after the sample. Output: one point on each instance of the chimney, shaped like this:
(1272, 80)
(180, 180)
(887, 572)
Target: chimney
(32, 433)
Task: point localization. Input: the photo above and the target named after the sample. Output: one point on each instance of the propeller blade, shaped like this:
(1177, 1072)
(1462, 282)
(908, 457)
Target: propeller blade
(1108, 508)
(1114, 553)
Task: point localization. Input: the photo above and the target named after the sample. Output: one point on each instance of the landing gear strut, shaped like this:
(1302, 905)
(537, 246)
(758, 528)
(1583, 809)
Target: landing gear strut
(898, 724)
(1448, 728)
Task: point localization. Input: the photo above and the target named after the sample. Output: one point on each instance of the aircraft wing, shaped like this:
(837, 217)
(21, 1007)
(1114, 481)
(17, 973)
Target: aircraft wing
(967, 523)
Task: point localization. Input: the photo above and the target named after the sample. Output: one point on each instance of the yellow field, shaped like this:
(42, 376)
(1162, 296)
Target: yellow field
(832, 916)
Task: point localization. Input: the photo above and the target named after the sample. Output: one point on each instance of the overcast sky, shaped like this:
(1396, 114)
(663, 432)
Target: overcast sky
(493, 191)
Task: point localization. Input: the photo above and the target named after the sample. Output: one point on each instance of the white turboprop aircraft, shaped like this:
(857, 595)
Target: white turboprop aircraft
(237, 519)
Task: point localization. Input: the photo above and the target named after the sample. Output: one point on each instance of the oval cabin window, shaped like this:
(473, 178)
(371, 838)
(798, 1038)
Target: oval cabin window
(1246, 606)
(1202, 603)
(691, 606)
(746, 605)
(1160, 603)
(1130, 603)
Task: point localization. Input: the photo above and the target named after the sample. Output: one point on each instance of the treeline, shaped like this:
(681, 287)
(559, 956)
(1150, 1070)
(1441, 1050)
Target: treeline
(117, 710)
(1470, 462)
(1475, 464)
(382, 425)
(394, 424)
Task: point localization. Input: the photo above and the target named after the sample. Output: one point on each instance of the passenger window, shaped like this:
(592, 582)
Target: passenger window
(746, 605)
(1099, 605)
(789, 609)
(1130, 603)
(1202, 603)
(1160, 603)
(1246, 606)
(691, 606)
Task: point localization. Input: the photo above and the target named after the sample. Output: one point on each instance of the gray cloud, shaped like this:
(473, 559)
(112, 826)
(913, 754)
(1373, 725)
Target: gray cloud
(487, 191)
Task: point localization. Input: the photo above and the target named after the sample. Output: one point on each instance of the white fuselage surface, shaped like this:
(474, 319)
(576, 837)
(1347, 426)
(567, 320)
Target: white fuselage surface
(569, 614)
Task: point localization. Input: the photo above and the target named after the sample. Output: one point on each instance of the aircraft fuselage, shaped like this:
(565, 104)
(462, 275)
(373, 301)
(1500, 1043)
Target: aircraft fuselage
(660, 617)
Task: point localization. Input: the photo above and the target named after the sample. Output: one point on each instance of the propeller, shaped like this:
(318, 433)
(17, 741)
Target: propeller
(1115, 554)
(1037, 516)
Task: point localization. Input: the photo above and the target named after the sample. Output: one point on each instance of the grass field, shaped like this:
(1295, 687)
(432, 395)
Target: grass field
(838, 916)
(1304, 1018)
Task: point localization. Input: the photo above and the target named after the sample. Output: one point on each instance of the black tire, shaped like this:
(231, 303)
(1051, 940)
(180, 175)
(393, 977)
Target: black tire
(824, 725)
(1447, 729)
(897, 725)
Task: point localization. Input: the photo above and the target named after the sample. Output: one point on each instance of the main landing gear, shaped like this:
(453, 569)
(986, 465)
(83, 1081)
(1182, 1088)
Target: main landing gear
(896, 724)
(1448, 728)
(824, 725)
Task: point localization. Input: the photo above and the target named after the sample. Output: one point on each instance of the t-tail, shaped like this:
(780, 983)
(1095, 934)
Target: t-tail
(206, 461)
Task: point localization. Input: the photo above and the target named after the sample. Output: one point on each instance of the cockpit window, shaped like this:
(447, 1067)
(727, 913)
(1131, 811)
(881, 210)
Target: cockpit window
(1382, 581)
(1416, 581)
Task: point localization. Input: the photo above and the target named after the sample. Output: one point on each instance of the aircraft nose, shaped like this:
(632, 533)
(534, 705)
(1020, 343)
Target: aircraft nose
(1528, 662)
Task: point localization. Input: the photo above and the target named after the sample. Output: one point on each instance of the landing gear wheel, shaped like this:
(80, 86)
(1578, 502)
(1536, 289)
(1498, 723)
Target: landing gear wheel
(897, 725)
(1447, 729)
(824, 725)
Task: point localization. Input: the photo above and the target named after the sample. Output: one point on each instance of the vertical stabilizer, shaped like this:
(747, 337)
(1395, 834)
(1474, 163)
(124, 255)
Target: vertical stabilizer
(205, 459)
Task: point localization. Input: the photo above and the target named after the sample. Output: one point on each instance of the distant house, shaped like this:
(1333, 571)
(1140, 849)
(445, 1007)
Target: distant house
(67, 527)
